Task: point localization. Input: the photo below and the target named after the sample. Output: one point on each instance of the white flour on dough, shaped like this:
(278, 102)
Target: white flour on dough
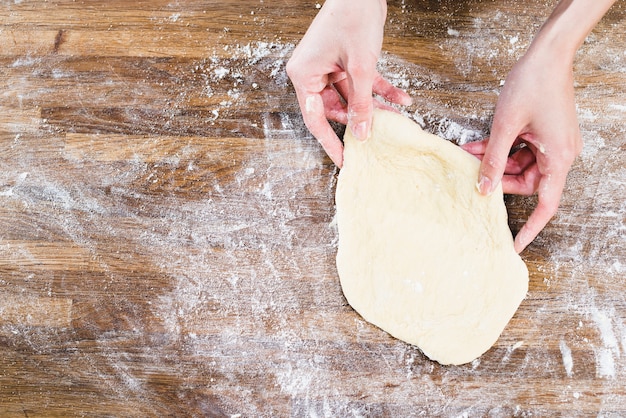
(421, 253)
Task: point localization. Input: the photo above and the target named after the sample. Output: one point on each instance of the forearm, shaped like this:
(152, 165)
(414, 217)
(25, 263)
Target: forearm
(568, 26)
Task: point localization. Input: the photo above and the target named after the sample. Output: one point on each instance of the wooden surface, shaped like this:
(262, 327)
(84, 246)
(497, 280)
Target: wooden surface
(166, 238)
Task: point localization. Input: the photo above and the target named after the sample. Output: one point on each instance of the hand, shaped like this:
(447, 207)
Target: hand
(333, 71)
(536, 109)
(534, 137)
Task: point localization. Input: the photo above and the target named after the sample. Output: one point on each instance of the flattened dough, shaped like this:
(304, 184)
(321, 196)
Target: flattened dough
(422, 254)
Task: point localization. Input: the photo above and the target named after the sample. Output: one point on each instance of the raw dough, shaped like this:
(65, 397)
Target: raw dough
(421, 253)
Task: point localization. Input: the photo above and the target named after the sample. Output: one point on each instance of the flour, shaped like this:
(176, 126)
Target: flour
(464, 54)
(452, 131)
(604, 324)
(241, 67)
(415, 80)
(568, 362)
(610, 351)
(621, 108)
(605, 363)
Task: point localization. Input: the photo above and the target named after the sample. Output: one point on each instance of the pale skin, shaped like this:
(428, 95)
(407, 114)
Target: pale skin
(333, 71)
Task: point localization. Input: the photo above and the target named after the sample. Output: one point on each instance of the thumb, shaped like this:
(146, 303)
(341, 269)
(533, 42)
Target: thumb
(360, 102)
(494, 160)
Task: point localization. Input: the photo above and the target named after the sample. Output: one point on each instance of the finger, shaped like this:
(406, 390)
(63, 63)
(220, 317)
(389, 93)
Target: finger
(336, 77)
(549, 193)
(525, 184)
(313, 113)
(476, 148)
(342, 88)
(494, 161)
(390, 92)
(384, 106)
(520, 161)
(360, 106)
(334, 106)
(479, 147)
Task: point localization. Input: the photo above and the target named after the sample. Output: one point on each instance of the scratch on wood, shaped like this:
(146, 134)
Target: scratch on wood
(59, 39)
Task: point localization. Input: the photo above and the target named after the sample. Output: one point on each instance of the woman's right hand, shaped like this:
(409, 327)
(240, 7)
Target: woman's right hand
(333, 71)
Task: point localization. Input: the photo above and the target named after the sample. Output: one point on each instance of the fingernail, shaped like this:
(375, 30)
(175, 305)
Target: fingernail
(406, 100)
(484, 185)
(521, 241)
(360, 131)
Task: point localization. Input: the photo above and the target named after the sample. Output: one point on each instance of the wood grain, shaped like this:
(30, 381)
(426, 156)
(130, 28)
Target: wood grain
(166, 220)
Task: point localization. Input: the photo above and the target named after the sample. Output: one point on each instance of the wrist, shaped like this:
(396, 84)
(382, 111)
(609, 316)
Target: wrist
(553, 42)
(372, 7)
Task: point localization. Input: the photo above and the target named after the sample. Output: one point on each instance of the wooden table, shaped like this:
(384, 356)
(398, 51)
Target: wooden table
(166, 236)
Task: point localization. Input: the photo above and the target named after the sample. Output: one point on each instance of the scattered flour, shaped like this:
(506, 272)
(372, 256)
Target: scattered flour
(568, 362)
(245, 68)
(605, 363)
(610, 350)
